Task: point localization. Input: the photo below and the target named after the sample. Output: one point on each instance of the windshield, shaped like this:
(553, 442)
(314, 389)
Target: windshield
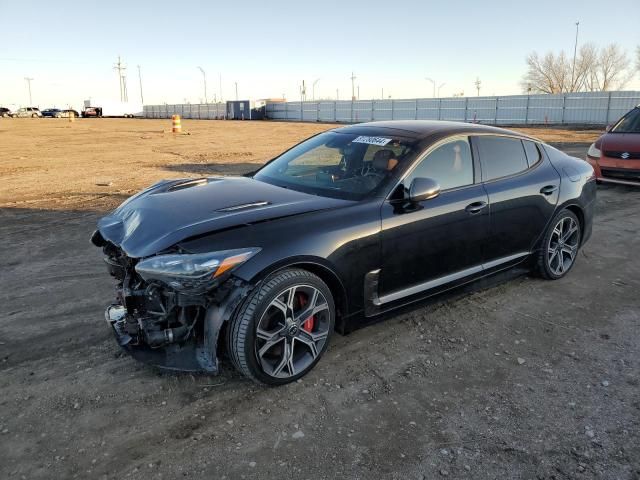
(630, 123)
(340, 165)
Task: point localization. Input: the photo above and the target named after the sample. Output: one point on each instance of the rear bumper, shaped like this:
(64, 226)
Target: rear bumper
(588, 212)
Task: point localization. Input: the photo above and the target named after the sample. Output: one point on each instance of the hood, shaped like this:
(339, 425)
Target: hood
(173, 210)
(620, 142)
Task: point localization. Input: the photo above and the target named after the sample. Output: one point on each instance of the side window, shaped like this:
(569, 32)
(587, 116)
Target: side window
(501, 156)
(532, 151)
(450, 164)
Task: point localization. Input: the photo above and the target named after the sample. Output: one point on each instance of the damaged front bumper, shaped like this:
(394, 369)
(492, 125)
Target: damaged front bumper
(190, 355)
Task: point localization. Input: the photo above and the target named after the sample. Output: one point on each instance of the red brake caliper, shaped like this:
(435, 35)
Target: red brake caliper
(310, 322)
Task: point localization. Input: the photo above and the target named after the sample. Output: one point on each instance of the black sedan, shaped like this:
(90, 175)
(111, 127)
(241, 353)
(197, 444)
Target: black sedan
(335, 232)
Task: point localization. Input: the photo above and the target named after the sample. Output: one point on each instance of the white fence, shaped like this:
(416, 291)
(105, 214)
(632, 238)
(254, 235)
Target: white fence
(587, 108)
(208, 111)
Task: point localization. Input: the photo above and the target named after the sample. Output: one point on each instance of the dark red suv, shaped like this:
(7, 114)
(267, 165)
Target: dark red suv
(615, 156)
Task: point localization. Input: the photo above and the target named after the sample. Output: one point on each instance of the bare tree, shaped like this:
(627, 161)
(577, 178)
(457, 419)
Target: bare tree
(595, 70)
(610, 70)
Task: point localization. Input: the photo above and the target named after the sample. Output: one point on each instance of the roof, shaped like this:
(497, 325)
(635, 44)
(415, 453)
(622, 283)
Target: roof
(419, 129)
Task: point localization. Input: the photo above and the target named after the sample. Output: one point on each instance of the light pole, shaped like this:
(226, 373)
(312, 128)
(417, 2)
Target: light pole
(575, 50)
(434, 85)
(204, 79)
(28, 79)
(140, 80)
(313, 89)
(439, 87)
(353, 87)
(236, 90)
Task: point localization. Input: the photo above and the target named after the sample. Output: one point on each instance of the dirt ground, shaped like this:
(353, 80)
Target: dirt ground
(524, 379)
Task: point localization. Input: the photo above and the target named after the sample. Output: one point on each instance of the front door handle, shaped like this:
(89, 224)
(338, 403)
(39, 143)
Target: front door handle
(548, 190)
(475, 207)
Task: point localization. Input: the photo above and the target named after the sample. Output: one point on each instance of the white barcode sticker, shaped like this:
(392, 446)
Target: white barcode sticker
(381, 141)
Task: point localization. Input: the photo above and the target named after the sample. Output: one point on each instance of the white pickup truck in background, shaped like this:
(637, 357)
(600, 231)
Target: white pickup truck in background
(111, 108)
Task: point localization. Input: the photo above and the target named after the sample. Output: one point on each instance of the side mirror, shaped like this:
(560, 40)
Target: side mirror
(423, 189)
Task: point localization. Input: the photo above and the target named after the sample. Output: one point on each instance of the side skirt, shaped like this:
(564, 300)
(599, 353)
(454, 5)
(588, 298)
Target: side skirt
(376, 304)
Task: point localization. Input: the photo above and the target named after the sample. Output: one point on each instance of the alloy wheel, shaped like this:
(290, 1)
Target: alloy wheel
(292, 331)
(563, 245)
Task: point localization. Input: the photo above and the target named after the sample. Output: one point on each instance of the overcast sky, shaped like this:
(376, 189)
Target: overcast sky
(268, 47)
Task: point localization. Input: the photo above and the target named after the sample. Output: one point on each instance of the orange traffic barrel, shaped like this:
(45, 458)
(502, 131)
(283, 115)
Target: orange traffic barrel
(176, 126)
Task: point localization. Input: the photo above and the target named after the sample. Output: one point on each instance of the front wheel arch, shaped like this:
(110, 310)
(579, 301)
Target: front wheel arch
(319, 268)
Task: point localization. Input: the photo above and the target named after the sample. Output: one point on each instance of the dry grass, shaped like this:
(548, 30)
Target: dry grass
(96, 163)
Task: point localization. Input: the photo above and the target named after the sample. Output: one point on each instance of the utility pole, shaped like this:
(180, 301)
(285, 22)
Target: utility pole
(140, 80)
(434, 85)
(358, 92)
(121, 77)
(220, 86)
(29, 80)
(575, 51)
(382, 95)
(353, 87)
(313, 89)
(477, 83)
(236, 90)
(337, 95)
(204, 79)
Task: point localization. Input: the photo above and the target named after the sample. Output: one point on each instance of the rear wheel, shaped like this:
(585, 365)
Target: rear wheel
(283, 328)
(560, 246)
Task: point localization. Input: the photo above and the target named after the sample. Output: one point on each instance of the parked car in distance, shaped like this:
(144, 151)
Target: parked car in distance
(5, 112)
(27, 112)
(70, 111)
(92, 112)
(337, 231)
(52, 112)
(615, 156)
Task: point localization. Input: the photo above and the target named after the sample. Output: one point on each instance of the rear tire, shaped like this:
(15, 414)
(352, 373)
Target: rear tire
(282, 328)
(560, 246)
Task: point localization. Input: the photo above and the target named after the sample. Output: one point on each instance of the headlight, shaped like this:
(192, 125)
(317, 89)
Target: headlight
(193, 271)
(593, 151)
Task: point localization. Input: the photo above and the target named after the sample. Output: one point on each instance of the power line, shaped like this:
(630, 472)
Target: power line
(122, 79)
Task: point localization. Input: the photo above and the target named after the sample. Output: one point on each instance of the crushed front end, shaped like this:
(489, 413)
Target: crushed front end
(164, 319)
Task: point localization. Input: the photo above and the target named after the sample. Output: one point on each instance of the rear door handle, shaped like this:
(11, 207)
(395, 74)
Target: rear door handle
(548, 190)
(475, 207)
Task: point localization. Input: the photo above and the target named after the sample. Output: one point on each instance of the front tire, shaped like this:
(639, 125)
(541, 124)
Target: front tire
(560, 246)
(283, 327)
